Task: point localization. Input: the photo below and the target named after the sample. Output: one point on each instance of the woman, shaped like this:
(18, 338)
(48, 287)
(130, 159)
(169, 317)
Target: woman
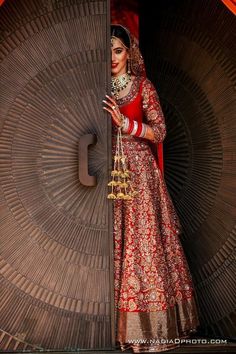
(154, 292)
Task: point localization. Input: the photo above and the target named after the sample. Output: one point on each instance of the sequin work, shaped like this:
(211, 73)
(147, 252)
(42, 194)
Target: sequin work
(154, 292)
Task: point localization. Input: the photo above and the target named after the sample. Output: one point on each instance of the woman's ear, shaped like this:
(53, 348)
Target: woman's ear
(128, 51)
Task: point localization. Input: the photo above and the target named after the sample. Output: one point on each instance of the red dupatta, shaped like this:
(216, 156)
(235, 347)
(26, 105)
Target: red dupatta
(160, 157)
(138, 68)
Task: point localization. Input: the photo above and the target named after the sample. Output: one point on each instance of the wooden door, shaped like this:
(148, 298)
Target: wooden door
(190, 56)
(55, 228)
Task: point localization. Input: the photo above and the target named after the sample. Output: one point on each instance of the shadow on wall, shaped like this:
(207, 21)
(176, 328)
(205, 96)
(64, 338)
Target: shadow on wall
(189, 51)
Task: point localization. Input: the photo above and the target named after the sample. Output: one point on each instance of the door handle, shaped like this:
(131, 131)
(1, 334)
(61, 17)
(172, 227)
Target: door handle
(84, 143)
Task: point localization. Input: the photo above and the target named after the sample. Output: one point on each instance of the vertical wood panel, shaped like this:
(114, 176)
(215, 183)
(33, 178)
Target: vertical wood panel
(55, 263)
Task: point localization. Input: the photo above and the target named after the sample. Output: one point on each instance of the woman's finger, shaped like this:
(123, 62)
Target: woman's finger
(112, 100)
(108, 103)
(111, 113)
(115, 110)
(115, 119)
(108, 110)
(113, 106)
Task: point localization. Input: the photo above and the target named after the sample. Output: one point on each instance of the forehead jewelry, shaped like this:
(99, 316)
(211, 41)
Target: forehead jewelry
(118, 39)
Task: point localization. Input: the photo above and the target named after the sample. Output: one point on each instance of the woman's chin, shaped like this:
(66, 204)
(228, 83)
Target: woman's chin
(114, 72)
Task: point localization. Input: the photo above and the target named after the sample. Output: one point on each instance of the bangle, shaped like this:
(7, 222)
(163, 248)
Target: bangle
(139, 130)
(125, 125)
(144, 130)
(133, 127)
(122, 120)
(130, 127)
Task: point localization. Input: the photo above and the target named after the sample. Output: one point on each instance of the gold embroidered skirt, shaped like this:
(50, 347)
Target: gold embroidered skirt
(154, 293)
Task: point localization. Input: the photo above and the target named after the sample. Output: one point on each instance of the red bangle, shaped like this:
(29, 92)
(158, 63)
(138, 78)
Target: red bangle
(131, 125)
(139, 130)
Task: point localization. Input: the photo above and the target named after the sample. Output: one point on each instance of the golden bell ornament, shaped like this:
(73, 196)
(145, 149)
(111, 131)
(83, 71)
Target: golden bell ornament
(114, 173)
(121, 182)
(120, 195)
(111, 196)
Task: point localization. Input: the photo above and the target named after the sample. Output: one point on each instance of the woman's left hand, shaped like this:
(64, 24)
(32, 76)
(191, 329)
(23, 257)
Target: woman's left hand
(114, 110)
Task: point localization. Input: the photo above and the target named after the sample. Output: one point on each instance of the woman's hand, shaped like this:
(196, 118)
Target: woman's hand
(113, 109)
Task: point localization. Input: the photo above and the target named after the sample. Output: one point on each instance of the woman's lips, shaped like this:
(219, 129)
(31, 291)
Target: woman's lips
(114, 66)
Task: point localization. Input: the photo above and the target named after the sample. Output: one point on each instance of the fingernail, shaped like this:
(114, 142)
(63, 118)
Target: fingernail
(107, 96)
(103, 101)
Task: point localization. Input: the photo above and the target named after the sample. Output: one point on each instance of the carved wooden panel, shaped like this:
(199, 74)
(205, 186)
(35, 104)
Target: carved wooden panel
(189, 49)
(55, 234)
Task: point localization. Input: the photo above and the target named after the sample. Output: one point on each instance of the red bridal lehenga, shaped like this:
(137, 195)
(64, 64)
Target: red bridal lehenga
(154, 292)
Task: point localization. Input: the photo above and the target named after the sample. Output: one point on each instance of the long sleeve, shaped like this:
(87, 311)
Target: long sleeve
(153, 112)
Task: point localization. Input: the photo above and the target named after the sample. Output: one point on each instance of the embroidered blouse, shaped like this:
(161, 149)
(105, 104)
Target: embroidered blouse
(143, 105)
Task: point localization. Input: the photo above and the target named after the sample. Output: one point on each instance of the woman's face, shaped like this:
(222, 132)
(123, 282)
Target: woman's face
(119, 57)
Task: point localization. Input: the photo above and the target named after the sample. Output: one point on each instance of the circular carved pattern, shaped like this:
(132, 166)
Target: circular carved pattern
(190, 59)
(54, 238)
(187, 147)
(46, 269)
(43, 144)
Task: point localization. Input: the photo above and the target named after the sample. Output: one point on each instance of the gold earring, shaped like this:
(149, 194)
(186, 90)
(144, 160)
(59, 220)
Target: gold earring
(129, 67)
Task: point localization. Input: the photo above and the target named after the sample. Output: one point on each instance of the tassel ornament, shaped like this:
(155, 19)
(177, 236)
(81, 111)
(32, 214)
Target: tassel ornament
(121, 183)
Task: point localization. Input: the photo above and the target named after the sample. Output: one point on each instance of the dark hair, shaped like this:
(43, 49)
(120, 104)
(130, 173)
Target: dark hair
(121, 33)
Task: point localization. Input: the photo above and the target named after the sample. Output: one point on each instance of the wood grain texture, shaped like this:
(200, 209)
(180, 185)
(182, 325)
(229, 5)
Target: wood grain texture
(55, 284)
(189, 49)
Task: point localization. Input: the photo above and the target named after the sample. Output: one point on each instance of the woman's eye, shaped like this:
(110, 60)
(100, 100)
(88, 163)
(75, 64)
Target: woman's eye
(118, 51)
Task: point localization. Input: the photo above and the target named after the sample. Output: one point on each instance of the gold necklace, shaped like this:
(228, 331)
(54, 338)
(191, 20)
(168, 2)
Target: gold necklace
(119, 83)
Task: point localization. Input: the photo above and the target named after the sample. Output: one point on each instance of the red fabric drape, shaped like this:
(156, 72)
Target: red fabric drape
(126, 14)
(160, 157)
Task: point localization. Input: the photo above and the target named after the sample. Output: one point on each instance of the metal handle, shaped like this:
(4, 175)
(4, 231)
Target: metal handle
(84, 143)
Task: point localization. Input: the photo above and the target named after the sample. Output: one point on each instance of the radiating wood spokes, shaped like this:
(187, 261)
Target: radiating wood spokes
(55, 289)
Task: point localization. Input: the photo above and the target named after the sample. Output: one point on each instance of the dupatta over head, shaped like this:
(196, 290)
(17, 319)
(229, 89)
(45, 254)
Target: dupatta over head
(138, 69)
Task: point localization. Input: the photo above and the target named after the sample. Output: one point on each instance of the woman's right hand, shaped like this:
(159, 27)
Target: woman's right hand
(114, 110)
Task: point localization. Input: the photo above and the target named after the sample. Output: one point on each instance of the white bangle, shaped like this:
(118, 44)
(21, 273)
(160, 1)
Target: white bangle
(144, 130)
(135, 128)
(125, 124)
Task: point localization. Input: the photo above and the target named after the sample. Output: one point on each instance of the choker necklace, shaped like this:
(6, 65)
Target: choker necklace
(119, 83)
